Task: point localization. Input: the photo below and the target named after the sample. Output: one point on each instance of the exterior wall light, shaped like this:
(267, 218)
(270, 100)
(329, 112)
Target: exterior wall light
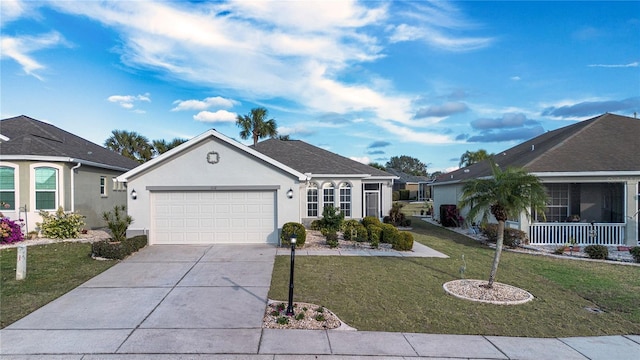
(134, 194)
(290, 193)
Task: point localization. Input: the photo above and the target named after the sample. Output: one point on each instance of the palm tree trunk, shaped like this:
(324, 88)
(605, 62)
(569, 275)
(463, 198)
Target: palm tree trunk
(496, 258)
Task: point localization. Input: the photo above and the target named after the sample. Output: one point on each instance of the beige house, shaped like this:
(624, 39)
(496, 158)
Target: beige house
(591, 170)
(43, 167)
(213, 189)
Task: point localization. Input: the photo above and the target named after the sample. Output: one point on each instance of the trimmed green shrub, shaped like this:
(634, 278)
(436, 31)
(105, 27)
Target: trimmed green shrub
(371, 220)
(389, 233)
(355, 228)
(405, 222)
(512, 237)
(374, 232)
(332, 239)
(596, 251)
(118, 222)
(61, 225)
(120, 249)
(404, 194)
(404, 241)
(635, 252)
(316, 225)
(386, 220)
(395, 196)
(332, 218)
(290, 229)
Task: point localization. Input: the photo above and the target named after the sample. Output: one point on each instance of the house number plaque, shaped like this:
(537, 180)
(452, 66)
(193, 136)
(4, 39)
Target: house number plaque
(213, 157)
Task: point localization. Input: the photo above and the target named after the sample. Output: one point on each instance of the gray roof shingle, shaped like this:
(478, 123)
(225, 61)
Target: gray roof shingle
(606, 143)
(29, 137)
(307, 158)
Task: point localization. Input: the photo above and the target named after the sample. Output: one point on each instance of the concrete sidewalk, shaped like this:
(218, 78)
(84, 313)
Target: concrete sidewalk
(207, 302)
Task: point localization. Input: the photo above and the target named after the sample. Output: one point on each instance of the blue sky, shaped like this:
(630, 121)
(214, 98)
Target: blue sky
(367, 80)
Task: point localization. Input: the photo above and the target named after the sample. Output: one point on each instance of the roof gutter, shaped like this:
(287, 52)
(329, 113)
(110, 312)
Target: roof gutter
(62, 159)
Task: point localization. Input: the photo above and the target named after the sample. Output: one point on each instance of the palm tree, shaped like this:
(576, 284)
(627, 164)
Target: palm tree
(472, 157)
(162, 146)
(130, 144)
(255, 125)
(507, 193)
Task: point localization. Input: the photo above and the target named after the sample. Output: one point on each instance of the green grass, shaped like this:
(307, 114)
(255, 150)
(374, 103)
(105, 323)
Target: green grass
(52, 270)
(405, 294)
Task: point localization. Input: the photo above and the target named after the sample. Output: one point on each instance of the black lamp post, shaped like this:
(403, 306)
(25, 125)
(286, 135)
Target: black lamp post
(293, 256)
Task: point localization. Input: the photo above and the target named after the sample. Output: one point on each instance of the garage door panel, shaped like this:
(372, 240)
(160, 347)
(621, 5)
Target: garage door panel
(213, 217)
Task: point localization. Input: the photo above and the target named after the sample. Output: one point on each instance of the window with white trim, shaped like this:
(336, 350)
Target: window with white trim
(103, 186)
(46, 186)
(7, 188)
(345, 199)
(328, 195)
(557, 209)
(312, 200)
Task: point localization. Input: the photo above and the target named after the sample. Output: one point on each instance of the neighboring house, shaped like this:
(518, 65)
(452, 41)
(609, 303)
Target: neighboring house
(43, 167)
(591, 170)
(213, 189)
(418, 186)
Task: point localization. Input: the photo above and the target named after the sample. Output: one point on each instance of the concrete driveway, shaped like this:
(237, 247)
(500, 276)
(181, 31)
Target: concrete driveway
(163, 299)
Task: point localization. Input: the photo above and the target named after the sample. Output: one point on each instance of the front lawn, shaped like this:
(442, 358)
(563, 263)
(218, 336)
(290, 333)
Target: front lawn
(406, 295)
(52, 270)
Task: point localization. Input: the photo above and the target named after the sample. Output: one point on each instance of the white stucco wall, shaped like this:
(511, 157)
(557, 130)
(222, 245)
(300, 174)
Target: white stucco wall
(445, 195)
(190, 168)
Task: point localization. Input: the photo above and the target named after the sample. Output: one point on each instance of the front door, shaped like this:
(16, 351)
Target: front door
(371, 204)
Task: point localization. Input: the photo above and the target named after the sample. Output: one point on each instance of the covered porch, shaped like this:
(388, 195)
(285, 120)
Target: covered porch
(587, 213)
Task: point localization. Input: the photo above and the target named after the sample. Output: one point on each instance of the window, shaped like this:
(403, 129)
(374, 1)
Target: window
(312, 200)
(557, 209)
(328, 195)
(46, 181)
(345, 199)
(103, 186)
(7, 188)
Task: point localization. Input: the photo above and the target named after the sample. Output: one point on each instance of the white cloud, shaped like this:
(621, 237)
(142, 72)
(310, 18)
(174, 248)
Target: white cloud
(515, 78)
(207, 103)
(361, 159)
(220, 116)
(20, 49)
(299, 129)
(633, 64)
(11, 10)
(128, 101)
(405, 134)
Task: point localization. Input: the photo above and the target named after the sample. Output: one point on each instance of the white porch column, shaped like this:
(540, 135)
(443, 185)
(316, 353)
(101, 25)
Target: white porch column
(632, 218)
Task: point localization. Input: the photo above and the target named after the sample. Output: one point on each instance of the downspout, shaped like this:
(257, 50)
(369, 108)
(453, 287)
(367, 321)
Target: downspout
(73, 187)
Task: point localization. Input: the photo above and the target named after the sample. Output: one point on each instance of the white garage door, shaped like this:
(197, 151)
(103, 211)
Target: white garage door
(210, 217)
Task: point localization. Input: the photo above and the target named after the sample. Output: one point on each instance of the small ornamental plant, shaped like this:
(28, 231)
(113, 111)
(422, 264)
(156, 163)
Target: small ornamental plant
(10, 231)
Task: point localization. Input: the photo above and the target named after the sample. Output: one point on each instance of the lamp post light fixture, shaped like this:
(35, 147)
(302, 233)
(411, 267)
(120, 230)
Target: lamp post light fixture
(293, 256)
(290, 193)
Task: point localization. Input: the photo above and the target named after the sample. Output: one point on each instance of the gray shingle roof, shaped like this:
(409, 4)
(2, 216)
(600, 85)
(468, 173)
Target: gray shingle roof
(29, 136)
(606, 143)
(307, 158)
(405, 178)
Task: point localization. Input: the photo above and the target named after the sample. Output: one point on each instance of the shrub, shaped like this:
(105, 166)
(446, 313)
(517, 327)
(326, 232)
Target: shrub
(395, 214)
(61, 225)
(389, 233)
(353, 227)
(635, 252)
(512, 237)
(118, 250)
(375, 232)
(10, 231)
(290, 229)
(332, 218)
(404, 241)
(386, 220)
(405, 223)
(371, 220)
(597, 251)
(316, 225)
(118, 222)
(332, 239)
(404, 194)
(395, 196)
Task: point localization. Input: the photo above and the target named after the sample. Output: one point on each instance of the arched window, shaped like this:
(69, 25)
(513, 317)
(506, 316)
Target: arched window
(312, 200)
(46, 186)
(345, 199)
(328, 195)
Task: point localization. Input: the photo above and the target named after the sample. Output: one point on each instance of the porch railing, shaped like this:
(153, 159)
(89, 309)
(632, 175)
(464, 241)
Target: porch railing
(582, 233)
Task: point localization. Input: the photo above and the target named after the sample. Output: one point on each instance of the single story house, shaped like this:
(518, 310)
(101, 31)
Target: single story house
(591, 170)
(213, 189)
(418, 186)
(43, 167)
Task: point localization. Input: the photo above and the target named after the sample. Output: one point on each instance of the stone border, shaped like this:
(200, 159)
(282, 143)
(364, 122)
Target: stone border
(507, 291)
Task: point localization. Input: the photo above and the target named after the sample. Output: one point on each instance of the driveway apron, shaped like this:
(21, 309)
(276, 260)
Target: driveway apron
(163, 299)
